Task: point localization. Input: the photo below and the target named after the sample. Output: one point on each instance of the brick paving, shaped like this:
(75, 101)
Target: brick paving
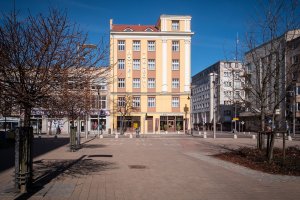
(154, 167)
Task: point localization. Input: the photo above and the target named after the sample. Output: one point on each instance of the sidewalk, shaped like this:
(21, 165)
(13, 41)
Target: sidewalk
(148, 168)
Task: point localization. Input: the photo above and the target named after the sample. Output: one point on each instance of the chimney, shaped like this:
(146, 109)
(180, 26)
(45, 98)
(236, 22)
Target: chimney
(111, 23)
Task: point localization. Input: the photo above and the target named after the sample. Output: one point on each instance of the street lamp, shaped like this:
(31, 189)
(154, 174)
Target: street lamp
(214, 85)
(84, 46)
(99, 109)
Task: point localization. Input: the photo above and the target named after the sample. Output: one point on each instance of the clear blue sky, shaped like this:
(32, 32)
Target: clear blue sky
(215, 22)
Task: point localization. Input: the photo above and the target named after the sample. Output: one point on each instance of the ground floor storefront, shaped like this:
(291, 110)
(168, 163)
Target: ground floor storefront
(49, 125)
(152, 123)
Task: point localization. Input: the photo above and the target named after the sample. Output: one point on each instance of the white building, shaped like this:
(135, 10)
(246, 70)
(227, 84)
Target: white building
(217, 87)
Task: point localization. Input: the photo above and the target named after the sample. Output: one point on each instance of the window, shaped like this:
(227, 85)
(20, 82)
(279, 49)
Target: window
(121, 64)
(102, 102)
(227, 84)
(227, 74)
(175, 64)
(298, 106)
(98, 101)
(136, 64)
(175, 102)
(128, 30)
(151, 82)
(136, 45)
(136, 83)
(151, 64)
(151, 45)
(136, 102)
(121, 45)
(298, 90)
(175, 25)
(151, 102)
(175, 45)
(175, 82)
(227, 103)
(121, 101)
(227, 93)
(121, 82)
(237, 94)
(237, 84)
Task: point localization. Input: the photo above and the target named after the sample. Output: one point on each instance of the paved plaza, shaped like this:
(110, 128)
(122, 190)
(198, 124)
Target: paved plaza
(153, 167)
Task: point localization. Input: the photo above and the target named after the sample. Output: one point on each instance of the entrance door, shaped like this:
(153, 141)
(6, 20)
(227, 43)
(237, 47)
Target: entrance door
(82, 126)
(171, 125)
(150, 124)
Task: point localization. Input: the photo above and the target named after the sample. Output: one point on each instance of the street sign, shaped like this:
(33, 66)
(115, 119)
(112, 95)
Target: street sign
(242, 122)
(235, 119)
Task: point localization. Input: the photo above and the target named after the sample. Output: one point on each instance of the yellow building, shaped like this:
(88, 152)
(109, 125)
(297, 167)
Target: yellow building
(152, 65)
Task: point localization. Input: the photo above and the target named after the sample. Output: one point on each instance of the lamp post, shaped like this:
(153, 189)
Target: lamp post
(214, 85)
(294, 112)
(84, 46)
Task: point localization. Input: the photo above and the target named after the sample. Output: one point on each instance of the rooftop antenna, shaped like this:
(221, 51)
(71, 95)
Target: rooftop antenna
(236, 46)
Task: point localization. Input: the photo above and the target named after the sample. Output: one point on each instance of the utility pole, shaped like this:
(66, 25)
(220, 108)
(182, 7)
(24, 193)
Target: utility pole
(213, 103)
(233, 81)
(294, 113)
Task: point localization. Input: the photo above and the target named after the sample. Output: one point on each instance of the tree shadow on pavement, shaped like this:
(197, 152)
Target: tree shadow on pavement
(49, 170)
(212, 148)
(93, 146)
(40, 146)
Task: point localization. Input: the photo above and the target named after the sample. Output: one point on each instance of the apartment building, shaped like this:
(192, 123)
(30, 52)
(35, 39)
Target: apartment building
(90, 103)
(218, 89)
(277, 61)
(152, 65)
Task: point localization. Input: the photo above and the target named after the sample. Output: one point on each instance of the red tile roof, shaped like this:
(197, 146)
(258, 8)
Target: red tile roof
(134, 28)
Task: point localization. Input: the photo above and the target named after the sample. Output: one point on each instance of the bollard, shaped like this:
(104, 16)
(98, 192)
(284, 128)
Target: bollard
(199, 132)
(249, 133)
(277, 134)
(253, 137)
(244, 133)
(234, 136)
(204, 135)
(101, 136)
(289, 138)
(130, 136)
(116, 136)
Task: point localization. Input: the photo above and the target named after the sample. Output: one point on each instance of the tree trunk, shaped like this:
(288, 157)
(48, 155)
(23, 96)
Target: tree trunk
(23, 153)
(268, 145)
(283, 146)
(261, 138)
(271, 147)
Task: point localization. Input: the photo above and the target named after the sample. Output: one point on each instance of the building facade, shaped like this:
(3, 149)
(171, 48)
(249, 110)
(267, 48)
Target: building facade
(277, 61)
(152, 66)
(218, 89)
(90, 100)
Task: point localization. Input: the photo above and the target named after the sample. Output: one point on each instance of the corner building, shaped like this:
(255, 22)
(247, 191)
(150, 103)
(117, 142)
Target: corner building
(152, 64)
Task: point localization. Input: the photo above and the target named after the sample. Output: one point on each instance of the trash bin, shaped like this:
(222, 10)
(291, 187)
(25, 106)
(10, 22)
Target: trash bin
(109, 131)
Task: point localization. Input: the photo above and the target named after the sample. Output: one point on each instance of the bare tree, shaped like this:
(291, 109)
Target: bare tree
(266, 67)
(124, 106)
(34, 55)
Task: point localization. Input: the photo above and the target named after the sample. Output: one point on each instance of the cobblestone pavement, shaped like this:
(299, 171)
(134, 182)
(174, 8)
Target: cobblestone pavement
(150, 168)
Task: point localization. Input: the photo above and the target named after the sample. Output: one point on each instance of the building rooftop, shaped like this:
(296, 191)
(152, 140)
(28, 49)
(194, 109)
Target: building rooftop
(134, 28)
